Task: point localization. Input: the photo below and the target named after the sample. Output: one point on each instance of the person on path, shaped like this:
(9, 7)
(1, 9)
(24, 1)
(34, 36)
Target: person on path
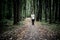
(32, 18)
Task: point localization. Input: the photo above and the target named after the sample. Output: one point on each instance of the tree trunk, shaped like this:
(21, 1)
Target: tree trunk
(1, 10)
(50, 11)
(15, 11)
(25, 8)
(56, 11)
(37, 15)
(34, 5)
(9, 4)
(46, 10)
(40, 10)
(59, 10)
(18, 15)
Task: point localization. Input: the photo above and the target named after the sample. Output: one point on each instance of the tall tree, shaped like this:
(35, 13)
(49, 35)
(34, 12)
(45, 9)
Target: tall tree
(59, 9)
(46, 4)
(56, 5)
(25, 8)
(0, 10)
(3, 9)
(53, 11)
(9, 4)
(37, 14)
(0, 15)
(34, 5)
(40, 10)
(20, 9)
(50, 11)
(15, 11)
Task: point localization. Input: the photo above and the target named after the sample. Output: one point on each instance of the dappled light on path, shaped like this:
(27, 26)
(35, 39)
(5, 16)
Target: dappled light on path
(36, 32)
(32, 32)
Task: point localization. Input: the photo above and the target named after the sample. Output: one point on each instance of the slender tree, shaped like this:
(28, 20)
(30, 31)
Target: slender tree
(37, 14)
(15, 11)
(59, 9)
(46, 4)
(34, 5)
(9, 9)
(1, 24)
(25, 8)
(49, 11)
(0, 10)
(53, 9)
(40, 10)
(56, 11)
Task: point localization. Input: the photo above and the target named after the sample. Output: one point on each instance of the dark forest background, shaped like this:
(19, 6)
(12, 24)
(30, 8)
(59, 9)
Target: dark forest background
(13, 12)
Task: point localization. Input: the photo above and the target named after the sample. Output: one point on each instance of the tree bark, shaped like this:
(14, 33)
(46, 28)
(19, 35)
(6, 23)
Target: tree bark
(1, 10)
(15, 11)
(9, 4)
(18, 15)
(40, 10)
(46, 10)
(50, 11)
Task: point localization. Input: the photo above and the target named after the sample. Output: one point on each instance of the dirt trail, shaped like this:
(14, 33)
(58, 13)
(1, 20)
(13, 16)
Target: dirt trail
(32, 32)
(36, 32)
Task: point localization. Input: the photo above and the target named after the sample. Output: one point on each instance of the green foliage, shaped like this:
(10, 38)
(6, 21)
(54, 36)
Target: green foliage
(47, 10)
(54, 27)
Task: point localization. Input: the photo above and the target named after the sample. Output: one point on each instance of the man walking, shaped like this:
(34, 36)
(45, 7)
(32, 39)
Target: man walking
(32, 18)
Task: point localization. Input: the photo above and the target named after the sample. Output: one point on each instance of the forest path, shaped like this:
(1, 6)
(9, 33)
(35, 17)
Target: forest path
(35, 32)
(30, 32)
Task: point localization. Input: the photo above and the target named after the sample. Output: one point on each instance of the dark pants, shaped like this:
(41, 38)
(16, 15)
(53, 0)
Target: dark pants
(33, 21)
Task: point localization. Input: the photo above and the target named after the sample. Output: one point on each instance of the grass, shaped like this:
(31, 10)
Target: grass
(54, 27)
(8, 25)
